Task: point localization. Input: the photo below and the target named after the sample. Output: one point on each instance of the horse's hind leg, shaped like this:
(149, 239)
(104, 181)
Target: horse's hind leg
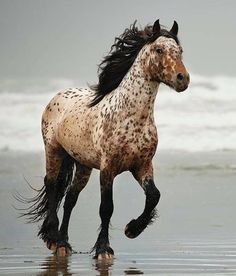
(81, 178)
(59, 170)
(102, 247)
(144, 175)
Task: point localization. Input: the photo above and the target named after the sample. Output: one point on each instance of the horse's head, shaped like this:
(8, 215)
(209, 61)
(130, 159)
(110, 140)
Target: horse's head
(163, 58)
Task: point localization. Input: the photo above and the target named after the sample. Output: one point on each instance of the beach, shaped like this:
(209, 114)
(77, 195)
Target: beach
(194, 233)
(50, 47)
(194, 169)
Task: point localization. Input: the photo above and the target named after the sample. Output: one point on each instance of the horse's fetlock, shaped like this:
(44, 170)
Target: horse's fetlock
(156, 196)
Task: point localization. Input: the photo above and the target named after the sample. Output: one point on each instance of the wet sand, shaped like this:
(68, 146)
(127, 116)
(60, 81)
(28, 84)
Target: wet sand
(194, 234)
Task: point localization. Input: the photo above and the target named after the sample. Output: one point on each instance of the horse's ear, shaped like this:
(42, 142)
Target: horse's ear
(175, 28)
(156, 27)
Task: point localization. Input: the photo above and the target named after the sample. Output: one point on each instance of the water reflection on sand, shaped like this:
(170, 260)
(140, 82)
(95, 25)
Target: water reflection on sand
(183, 257)
(65, 266)
(55, 265)
(195, 233)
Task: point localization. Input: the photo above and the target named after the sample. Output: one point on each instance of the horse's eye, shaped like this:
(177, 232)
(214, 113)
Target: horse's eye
(159, 51)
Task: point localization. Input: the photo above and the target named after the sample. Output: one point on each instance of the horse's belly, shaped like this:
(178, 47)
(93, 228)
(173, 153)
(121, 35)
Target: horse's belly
(79, 145)
(85, 157)
(83, 153)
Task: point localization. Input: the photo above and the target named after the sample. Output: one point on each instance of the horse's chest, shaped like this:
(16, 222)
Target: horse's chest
(130, 146)
(143, 144)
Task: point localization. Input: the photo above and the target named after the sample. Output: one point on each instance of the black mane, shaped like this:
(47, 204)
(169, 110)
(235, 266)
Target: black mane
(121, 57)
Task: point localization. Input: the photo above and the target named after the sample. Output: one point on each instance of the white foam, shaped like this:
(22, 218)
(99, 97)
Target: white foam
(20, 119)
(201, 118)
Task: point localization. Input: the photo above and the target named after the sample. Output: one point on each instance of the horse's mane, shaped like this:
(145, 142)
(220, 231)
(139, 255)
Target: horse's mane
(121, 57)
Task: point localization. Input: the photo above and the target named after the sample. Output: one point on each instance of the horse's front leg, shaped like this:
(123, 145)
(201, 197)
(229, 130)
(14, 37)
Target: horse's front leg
(102, 246)
(144, 175)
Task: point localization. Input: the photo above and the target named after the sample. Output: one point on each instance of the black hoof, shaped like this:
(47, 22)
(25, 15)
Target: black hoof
(136, 226)
(133, 229)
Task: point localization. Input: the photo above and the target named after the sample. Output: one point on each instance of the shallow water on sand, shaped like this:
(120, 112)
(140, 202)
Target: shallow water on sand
(170, 257)
(194, 234)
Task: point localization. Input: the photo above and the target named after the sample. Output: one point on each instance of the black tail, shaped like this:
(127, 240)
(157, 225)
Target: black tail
(38, 205)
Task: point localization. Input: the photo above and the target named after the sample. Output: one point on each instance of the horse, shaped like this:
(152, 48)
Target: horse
(110, 127)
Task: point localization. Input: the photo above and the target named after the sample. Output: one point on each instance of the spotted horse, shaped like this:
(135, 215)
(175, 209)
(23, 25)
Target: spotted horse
(110, 127)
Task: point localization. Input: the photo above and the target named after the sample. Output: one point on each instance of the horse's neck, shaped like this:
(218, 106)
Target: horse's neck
(138, 94)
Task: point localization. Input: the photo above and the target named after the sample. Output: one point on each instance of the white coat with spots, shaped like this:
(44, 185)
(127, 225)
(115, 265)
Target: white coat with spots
(116, 134)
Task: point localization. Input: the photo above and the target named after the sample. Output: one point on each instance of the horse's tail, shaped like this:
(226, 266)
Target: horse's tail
(38, 205)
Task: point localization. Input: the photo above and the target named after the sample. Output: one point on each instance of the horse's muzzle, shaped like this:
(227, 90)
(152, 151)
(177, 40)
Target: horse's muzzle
(182, 82)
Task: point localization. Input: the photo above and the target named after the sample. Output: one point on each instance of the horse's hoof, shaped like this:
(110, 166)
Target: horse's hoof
(104, 256)
(63, 249)
(51, 246)
(128, 233)
(104, 252)
(61, 252)
(131, 230)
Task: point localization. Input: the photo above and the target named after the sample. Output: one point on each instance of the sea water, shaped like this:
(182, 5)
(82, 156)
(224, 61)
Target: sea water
(202, 118)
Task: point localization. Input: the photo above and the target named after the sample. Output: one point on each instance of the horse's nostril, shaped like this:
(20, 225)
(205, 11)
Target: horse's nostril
(180, 76)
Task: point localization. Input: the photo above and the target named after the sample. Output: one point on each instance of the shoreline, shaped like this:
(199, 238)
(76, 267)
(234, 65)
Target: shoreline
(24, 162)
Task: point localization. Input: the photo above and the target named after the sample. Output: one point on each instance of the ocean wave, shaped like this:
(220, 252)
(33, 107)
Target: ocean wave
(200, 119)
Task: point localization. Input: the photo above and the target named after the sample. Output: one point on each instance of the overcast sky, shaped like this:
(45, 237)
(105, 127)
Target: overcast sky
(67, 38)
